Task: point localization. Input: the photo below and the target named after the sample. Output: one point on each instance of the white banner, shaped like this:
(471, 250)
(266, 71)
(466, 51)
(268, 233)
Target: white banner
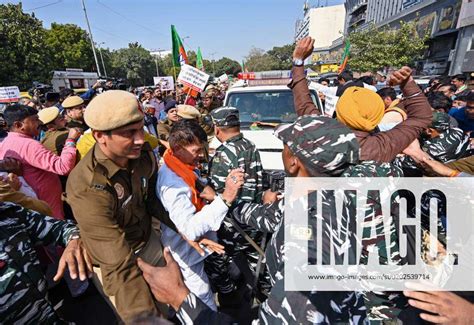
(223, 78)
(165, 83)
(193, 78)
(9, 94)
(330, 105)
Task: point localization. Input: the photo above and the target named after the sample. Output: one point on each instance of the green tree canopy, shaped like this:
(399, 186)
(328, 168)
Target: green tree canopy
(134, 63)
(258, 60)
(283, 56)
(224, 65)
(70, 47)
(373, 48)
(24, 54)
(278, 58)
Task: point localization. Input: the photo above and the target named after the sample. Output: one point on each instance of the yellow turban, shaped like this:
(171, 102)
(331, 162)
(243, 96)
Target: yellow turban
(360, 109)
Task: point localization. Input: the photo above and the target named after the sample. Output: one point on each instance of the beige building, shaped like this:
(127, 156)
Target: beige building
(324, 24)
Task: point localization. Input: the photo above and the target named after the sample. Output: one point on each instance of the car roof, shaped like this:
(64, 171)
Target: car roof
(257, 88)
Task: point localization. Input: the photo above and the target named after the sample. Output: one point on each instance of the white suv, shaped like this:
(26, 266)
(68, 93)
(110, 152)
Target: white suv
(261, 108)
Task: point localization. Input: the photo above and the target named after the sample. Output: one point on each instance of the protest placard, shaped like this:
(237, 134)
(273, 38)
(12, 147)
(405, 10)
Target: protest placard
(164, 83)
(330, 105)
(9, 94)
(223, 78)
(193, 78)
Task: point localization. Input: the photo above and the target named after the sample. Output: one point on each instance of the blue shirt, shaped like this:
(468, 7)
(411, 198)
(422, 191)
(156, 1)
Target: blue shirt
(465, 123)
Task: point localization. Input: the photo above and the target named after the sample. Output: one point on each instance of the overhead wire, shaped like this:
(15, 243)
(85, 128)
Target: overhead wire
(44, 6)
(130, 20)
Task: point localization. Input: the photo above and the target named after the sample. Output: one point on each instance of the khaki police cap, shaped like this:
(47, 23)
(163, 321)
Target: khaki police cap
(188, 112)
(72, 101)
(48, 114)
(112, 110)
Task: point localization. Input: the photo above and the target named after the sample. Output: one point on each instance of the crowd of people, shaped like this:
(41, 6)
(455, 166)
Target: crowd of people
(114, 201)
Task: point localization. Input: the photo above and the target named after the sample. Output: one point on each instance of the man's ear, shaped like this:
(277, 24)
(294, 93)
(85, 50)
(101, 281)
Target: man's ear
(17, 125)
(99, 136)
(294, 165)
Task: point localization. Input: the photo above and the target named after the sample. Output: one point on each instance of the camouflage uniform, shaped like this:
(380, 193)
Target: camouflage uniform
(320, 307)
(326, 148)
(450, 145)
(23, 285)
(236, 152)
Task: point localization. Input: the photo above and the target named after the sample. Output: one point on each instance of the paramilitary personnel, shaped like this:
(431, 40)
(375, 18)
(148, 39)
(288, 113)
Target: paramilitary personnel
(234, 152)
(23, 285)
(112, 194)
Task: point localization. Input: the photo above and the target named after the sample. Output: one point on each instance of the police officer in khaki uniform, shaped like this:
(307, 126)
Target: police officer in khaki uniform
(208, 104)
(112, 194)
(56, 132)
(74, 107)
(164, 126)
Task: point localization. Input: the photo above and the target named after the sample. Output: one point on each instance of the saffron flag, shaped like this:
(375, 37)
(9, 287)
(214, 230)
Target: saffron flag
(345, 56)
(199, 61)
(179, 54)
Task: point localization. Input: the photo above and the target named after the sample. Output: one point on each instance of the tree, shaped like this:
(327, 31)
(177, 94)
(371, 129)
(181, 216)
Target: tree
(258, 60)
(134, 63)
(24, 55)
(283, 55)
(373, 48)
(70, 47)
(224, 65)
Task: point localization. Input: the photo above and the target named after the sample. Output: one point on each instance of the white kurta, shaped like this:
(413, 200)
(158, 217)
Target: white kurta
(175, 195)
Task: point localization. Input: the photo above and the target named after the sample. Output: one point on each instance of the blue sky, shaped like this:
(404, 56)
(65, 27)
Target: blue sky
(224, 27)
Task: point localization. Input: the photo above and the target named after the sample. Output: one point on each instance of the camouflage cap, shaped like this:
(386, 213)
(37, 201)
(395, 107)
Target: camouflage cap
(440, 121)
(323, 144)
(225, 116)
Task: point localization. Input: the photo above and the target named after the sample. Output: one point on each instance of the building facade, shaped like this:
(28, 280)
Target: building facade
(324, 24)
(438, 18)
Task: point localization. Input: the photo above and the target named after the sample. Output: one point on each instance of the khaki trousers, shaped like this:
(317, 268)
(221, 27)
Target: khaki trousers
(152, 253)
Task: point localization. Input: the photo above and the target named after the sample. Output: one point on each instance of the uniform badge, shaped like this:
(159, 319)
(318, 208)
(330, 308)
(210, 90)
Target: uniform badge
(119, 190)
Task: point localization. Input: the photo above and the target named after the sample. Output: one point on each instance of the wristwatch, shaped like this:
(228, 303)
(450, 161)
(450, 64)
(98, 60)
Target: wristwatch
(298, 62)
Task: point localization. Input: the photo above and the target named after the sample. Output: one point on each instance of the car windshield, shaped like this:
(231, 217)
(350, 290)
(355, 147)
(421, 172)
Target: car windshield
(265, 106)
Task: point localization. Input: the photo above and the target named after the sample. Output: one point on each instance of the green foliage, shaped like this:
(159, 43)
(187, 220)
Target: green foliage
(24, 54)
(283, 56)
(70, 47)
(224, 65)
(373, 49)
(278, 58)
(134, 63)
(258, 60)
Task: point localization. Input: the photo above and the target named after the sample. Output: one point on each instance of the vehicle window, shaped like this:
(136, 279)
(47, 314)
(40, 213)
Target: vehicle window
(271, 106)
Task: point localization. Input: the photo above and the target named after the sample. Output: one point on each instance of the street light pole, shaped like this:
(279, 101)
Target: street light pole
(213, 63)
(92, 40)
(102, 59)
(157, 71)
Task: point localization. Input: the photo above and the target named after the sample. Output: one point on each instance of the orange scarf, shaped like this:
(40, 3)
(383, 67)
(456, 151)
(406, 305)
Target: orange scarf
(186, 172)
